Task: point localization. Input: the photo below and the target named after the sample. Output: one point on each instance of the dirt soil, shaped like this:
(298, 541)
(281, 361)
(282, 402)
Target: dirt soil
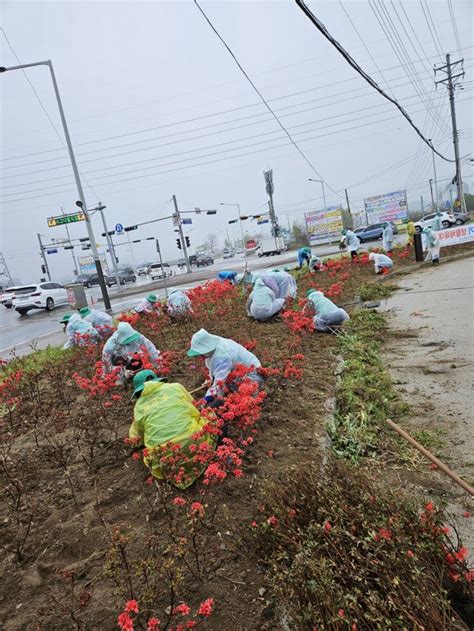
(431, 358)
(72, 538)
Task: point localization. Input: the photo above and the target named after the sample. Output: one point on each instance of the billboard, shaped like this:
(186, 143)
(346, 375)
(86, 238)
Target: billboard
(324, 225)
(87, 264)
(387, 207)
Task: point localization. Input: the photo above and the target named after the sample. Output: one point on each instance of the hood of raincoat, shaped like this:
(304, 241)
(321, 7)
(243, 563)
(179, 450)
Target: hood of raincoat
(202, 343)
(314, 291)
(126, 333)
(65, 319)
(372, 256)
(141, 378)
(152, 298)
(85, 311)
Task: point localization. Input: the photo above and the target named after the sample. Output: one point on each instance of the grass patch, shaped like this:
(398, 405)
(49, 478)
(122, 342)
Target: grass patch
(345, 553)
(431, 440)
(376, 291)
(365, 395)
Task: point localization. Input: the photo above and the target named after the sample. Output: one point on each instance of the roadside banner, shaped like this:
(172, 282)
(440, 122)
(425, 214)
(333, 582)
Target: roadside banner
(87, 264)
(387, 207)
(453, 236)
(324, 225)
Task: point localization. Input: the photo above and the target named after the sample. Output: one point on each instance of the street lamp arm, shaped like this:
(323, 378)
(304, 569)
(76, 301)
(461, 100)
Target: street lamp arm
(22, 66)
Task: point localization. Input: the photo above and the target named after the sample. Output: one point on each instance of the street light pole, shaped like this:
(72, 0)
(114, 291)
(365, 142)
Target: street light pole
(177, 217)
(43, 256)
(81, 202)
(100, 208)
(435, 179)
(325, 205)
(76, 271)
(432, 198)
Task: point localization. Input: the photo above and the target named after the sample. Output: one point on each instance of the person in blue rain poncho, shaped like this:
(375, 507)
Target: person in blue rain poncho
(387, 237)
(227, 275)
(262, 303)
(79, 332)
(124, 348)
(437, 224)
(101, 321)
(381, 262)
(221, 357)
(304, 255)
(178, 304)
(327, 313)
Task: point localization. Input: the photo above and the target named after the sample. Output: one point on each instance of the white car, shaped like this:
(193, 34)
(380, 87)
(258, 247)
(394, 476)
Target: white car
(7, 296)
(157, 272)
(41, 296)
(447, 220)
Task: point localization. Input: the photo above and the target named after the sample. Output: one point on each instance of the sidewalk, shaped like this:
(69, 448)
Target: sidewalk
(431, 358)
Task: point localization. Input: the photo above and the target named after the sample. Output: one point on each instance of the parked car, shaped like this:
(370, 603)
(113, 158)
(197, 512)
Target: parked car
(204, 260)
(228, 254)
(373, 232)
(41, 296)
(460, 218)
(447, 219)
(193, 259)
(84, 279)
(142, 270)
(6, 297)
(181, 263)
(158, 271)
(125, 276)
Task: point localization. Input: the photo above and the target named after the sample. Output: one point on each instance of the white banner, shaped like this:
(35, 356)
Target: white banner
(453, 236)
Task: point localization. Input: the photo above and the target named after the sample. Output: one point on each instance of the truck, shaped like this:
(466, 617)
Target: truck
(269, 246)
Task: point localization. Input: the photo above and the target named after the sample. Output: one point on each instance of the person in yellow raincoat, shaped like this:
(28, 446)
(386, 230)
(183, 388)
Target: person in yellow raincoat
(164, 415)
(410, 230)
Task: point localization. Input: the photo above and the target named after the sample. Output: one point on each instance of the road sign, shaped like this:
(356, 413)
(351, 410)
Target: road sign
(52, 251)
(62, 220)
(118, 228)
(186, 220)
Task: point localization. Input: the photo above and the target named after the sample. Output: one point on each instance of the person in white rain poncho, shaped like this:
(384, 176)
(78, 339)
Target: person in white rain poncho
(221, 357)
(351, 241)
(282, 284)
(432, 243)
(148, 304)
(79, 332)
(178, 303)
(437, 224)
(381, 262)
(315, 264)
(387, 237)
(262, 303)
(125, 347)
(101, 321)
(327, 313)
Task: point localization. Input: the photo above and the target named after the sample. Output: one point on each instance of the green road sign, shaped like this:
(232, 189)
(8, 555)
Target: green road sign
(65, 219)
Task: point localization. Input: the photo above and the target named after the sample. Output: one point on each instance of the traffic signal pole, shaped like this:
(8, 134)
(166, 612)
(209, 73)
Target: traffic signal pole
(177, 217)
(43, 256)
(100, 208)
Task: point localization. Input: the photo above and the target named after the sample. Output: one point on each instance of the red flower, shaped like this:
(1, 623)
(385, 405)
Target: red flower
(197, 509)
(410, 553)
(108, 404)
(466, 514)
(205, 608)
(238, 473)
(183, 609)
(254, 524)
(433, 466)
(327, 527)
(461, 554)
(116, 397)
(272, 521)
(136, 455)
(429, 506)
(149, 479)
(125, 622)
(341, 613)
(131, 605)
(153, 624)
(179, 501)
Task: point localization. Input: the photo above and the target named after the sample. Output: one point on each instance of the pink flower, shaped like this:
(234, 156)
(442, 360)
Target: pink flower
(272, 521)
(238, 473)
(205, 608)
(131, 605)
(410, 553)
(341, 613)
(108, 404)
(179, 501)
(254, 524)
(149, 479)
(153, 624)
(183, 609)
(125, 622)
(136, 455)
(197, 509)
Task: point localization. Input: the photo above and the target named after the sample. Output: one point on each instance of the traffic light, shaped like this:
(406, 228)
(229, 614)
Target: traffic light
(69, 247)
(84, 239)
(243, 217)
(233, 221)
(128, 228)
(110, 233)
(178, 243)
(43, 269)
(188, 242)
(211, 212)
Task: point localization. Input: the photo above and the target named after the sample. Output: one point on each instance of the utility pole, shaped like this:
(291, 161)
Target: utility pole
(447, 69)
(268, 175)
(422, 206)
(347, 200)
(432, 198)
(310, 179)
(43, 256)
(76, 271)
(158, 249)
(177, 221)
(110, 244)
(435, 179)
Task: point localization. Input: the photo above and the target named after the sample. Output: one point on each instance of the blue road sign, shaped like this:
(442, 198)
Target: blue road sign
(118, 228)
(186, 220)
(52, 251)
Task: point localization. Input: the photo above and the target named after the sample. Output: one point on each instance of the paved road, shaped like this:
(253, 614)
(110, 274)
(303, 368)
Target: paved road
(40, 328)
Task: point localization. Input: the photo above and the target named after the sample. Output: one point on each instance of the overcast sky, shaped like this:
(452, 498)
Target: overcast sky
(156, 106)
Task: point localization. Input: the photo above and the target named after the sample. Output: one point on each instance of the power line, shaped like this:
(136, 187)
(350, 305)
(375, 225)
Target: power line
(434, 25)
(438, 50)
(455, 28)
(305, 158)
(363, 74)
